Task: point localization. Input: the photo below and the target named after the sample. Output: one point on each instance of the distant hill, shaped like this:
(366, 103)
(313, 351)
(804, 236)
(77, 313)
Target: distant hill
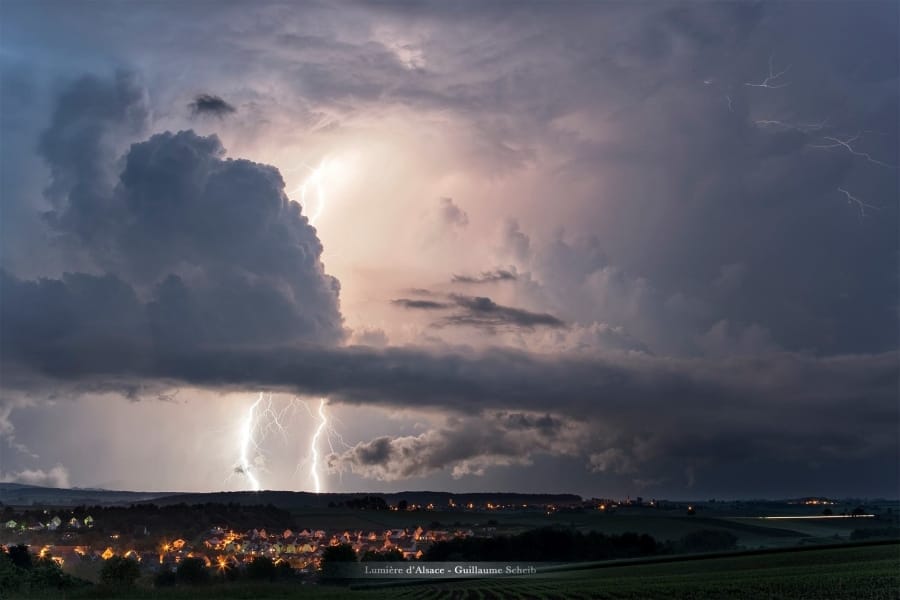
(290, 500)
(16, 494)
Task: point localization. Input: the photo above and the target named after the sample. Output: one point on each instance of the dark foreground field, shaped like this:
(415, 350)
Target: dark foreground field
(860, 572)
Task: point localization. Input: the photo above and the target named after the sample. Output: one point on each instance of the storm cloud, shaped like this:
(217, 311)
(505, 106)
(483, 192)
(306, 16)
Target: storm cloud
(697, 277)
(481, 312)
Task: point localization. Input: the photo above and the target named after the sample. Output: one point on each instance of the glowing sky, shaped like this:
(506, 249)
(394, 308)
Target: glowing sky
(602, 248)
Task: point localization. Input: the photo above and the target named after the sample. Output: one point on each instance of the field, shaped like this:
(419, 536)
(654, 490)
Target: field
(859, 572)
(663, 525)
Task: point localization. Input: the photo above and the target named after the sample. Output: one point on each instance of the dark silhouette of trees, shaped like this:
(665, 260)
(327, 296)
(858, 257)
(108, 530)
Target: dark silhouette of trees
(261, 568)
(192, 571)
(333, 558)
(20, 556)
(547, 544)
(120, 572)
(391, 555)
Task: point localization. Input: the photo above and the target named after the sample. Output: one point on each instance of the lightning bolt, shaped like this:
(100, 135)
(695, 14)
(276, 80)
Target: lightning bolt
(848, 144)
(771, 82)
(262, 418)
(248, 426)
(860, 204)
(325, 430)
(313, 187)
(314, 446)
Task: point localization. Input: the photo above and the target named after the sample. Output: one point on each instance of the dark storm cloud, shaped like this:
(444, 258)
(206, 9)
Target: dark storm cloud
(207, 104)
(711, 232)
(776, 406)
(196, 250)
(421, 304)
(482, 312)
(463, 446)
(487, 277)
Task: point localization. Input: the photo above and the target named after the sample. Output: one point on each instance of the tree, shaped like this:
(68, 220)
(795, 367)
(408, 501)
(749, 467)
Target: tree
(192, 571)
(402, 505)
(334, 557)
(120, 572)
(261, 568)
(20, 556)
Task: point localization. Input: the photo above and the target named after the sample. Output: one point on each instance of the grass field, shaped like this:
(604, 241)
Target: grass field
(871, 572)
(859, 572)
(661, 524)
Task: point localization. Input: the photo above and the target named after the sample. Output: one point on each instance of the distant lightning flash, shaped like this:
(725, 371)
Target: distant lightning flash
(860, 204)
(847, 144)
(771, 82)
(314, 187)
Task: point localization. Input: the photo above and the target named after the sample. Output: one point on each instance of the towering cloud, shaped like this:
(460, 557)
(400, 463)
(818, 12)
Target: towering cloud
(187, 248)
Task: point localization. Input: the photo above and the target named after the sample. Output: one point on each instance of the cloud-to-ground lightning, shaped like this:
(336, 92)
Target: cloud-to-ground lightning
(314, 447)
(263, 417)
(772, 81)
(248, 426)
(325, 430)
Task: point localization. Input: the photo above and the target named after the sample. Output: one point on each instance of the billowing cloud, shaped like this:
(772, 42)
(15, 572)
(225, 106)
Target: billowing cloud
(465, 446)
(675, 219)
(208, 104)
(57, 476)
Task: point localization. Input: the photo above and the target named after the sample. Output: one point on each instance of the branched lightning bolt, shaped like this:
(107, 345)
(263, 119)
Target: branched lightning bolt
(248, 425)
(326, 429)
(313, 185)
(771, 82)
(847, 143)
(861, 204)
(262, 418)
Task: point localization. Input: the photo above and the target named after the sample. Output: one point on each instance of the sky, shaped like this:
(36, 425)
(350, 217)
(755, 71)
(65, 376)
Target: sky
(612, 249)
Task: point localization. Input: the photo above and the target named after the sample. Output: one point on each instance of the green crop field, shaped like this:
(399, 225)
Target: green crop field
(870, 572)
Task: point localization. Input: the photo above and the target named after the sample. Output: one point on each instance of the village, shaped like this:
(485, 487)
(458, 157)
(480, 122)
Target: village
(71, 538)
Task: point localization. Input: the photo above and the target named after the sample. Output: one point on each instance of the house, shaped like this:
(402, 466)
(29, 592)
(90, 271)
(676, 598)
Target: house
(287, 534)
(10, 524)
(178, 544)
(108, 553)
(74, 523)
(89, 521)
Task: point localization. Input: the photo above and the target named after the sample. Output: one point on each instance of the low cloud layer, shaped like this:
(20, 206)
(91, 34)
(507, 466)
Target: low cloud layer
(487, 277)
(464, 446)
(481, 312)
